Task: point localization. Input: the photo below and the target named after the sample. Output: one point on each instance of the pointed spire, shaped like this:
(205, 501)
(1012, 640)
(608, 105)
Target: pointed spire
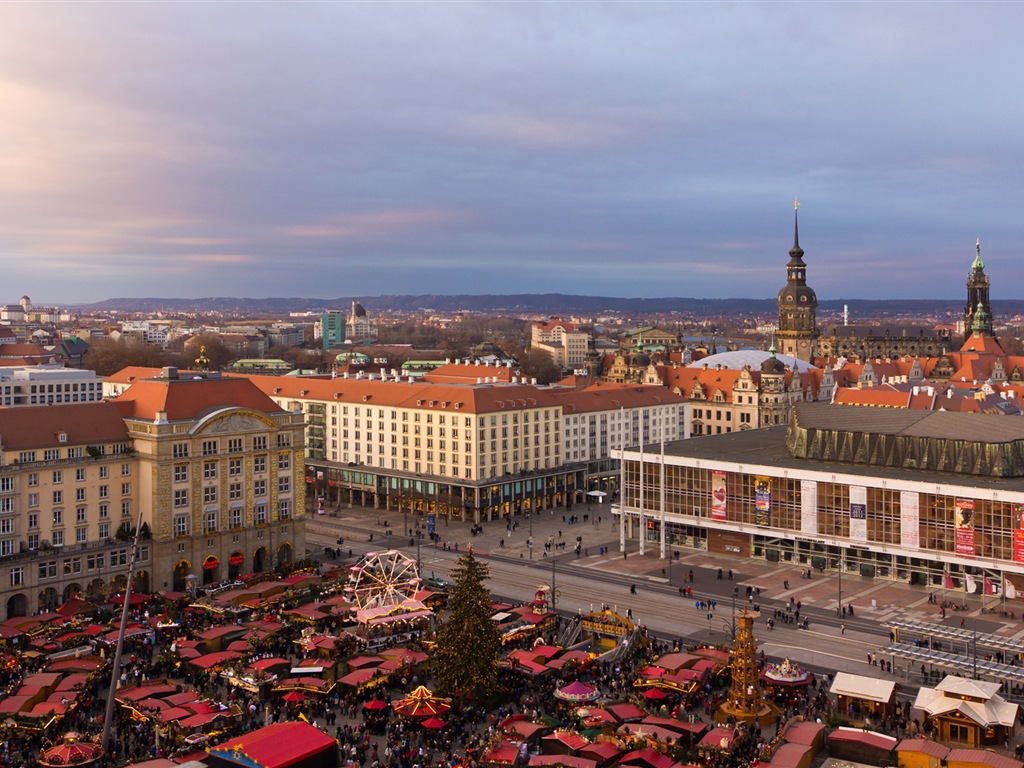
(978, 264)
(796, 253)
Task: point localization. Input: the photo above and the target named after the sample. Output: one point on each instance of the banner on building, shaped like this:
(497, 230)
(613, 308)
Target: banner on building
(963, 521)
(1018, 533)
(910, 520)
(719, 498)
(809, 507)
(858, 513)
(763, 500)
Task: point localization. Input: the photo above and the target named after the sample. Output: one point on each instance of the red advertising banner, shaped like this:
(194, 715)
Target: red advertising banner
(1018, 533)
(963, 520)
(719, 497)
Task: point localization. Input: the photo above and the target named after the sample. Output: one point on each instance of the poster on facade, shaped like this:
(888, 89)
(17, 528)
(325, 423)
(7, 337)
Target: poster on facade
(910, 520)
(719, 499)
(858, 513)
(1018, 533)
(809, 507)
(963, 521)
(763, 500)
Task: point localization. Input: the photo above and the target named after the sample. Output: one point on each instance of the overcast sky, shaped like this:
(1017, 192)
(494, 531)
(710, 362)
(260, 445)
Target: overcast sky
(626, 149)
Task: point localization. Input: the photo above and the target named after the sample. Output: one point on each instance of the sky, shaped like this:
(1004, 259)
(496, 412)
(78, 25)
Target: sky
(629, 149)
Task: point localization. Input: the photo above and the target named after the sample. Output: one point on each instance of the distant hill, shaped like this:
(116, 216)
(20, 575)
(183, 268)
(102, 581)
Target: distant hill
(546, 303)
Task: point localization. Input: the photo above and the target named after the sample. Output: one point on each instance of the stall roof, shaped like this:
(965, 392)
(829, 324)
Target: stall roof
(860, 687)
(278, 745)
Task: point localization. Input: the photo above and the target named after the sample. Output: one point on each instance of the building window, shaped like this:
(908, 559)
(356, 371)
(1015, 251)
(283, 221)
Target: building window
(181, 525)
(259, 443)
(80, 515)
(180, 450)
(104, 511)
(104, 472)
(284, 461)
(259, 464)
(284, 484)
(51, 454)
(58, 477)
(234, 445)
(104, 491)
(58, 497)
(58, 538)
(236, 518)
(27, 457)
(209, 447)
(81, 535)
(235, 491)
(126, 489)
(181, 498)
(79, 494)
(234, 467)
(126, 509)
(284, 440)
(17, 576)
(126, 469)
(80, 474)
(210, 494)
(33, 520)
(104, 531)
(260, 511)
(211, 522)
(209, 470)
(259, 488)
(181, 473)
(284, 509)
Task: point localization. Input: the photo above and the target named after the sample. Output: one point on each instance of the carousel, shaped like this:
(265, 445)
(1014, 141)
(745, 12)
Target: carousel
(72, 750)
(785, 676)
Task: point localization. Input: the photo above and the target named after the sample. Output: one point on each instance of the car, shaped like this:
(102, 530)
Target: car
(433, 582)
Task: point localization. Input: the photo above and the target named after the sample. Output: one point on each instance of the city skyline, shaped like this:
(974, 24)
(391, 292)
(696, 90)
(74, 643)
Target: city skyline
(637, 150)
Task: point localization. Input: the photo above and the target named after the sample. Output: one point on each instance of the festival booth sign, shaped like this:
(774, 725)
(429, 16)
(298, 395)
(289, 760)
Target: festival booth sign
(652, 735)
(421, 703)
(607, 628)
(280, 745)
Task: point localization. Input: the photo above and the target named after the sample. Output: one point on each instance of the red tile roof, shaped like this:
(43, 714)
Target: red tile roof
(185, 398)
(39, 427)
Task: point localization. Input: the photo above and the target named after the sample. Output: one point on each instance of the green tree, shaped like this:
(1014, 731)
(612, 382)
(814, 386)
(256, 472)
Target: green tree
(466, 654)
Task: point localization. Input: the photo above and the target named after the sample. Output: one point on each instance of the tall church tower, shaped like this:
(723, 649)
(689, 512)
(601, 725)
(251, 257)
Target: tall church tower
(798, 333)
(978, 312)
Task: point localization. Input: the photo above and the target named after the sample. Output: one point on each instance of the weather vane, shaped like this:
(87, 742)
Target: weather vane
(796, 204)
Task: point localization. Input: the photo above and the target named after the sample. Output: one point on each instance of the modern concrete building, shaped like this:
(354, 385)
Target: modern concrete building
(930, 498)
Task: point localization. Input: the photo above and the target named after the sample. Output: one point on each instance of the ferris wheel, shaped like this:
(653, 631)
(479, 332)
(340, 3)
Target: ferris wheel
(382, 579)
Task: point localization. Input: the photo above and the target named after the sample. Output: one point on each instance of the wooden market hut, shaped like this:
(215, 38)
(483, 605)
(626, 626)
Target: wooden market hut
(921, 753)
(860, 698)
(860, 746)
(966, 711)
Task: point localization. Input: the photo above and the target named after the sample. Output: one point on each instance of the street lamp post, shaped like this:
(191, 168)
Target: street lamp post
(554, 592)
(732, 626)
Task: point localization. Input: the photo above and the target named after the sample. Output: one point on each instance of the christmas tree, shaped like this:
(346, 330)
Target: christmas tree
(466, 654)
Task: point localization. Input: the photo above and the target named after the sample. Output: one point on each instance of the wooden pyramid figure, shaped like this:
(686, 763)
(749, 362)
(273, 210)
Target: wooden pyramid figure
(746, 702)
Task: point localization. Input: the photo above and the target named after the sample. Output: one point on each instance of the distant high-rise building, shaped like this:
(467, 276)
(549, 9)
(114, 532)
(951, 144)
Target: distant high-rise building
(332, 329)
